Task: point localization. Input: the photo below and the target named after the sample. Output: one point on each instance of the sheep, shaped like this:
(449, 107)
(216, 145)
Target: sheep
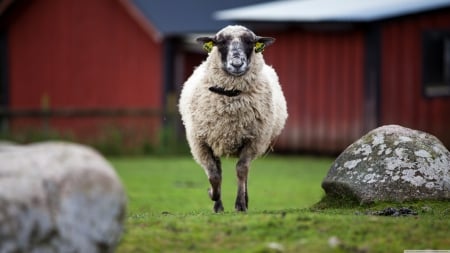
(232, 105)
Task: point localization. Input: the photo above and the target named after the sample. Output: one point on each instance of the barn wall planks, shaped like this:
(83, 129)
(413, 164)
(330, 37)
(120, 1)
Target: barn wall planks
(402, 98)
(322, 77)
(82, 54)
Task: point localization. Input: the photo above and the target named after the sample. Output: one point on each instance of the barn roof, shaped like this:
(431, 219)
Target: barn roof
(179, 17)
(330, 10)
(162, 18)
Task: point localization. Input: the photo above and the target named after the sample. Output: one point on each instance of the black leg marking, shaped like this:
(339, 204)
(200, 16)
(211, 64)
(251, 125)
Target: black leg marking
(214, 171)
(241, 204)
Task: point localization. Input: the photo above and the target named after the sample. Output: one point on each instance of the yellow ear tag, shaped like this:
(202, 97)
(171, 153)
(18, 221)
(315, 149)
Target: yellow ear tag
(207, 46)
(259, 47)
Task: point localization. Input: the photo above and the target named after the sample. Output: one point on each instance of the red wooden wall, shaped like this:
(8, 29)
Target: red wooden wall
(402, 100)
(82, 54)
(321, 74)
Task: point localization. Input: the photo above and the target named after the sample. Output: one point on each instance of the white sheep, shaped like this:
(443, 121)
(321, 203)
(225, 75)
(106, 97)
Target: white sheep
(232, 105)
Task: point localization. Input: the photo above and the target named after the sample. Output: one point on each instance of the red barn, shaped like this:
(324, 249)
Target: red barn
(80, 55)
(349, 66)
(345, 66)
(79, 61)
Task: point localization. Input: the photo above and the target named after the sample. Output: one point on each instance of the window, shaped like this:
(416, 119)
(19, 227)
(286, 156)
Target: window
(436, 63)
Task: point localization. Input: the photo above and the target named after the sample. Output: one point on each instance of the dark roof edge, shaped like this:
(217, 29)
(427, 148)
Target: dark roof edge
(4, 5)
(141, 20)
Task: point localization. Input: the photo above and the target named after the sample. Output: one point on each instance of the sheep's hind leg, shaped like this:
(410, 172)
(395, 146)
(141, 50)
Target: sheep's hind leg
(242, 168)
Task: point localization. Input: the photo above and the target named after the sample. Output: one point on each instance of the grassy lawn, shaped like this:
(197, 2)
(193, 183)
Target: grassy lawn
(169, 211)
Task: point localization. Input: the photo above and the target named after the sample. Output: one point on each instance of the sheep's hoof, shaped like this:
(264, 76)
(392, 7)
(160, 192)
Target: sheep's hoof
(218, 207)
(240, 207)
(213, 195)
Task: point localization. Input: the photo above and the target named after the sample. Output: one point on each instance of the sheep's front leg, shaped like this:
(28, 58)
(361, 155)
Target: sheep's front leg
(215, 179)
(213, 170)
(242, 168)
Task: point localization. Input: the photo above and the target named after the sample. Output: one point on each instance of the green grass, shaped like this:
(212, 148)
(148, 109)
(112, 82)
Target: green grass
(169, 211)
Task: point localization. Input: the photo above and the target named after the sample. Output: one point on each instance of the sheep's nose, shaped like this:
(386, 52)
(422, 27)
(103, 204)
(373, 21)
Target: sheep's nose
(236, 62)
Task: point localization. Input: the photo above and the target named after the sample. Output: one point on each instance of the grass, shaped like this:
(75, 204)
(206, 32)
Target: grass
(169, 211)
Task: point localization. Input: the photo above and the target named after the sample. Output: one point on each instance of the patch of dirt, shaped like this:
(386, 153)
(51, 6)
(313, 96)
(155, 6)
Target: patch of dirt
(391, 211)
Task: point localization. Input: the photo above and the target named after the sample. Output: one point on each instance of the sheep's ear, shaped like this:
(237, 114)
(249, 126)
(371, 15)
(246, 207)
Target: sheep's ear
(262, 42)
(208, 43)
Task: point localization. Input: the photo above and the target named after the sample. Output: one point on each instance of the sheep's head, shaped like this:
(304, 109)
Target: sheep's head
(236, 44)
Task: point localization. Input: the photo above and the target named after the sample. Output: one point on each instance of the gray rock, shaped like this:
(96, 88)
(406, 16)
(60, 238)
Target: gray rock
(391, 163)
(7, 145)
(59, 197)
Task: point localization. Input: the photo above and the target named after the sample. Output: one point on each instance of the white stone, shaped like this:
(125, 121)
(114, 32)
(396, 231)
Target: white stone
(334, 242)
(59, 197)
(275, 246)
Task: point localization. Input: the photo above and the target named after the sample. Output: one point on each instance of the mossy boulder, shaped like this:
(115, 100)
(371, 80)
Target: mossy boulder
(391, 163)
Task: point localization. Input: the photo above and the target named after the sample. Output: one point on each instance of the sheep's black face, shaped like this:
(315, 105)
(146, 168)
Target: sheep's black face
(236, 44)
(235, 52)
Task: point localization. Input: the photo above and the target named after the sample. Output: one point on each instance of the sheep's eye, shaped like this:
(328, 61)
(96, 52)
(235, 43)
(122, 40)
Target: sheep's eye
(247, 40)
(220, 42)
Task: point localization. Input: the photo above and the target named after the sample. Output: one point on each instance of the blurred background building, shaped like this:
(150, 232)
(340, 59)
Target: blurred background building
(96, 70)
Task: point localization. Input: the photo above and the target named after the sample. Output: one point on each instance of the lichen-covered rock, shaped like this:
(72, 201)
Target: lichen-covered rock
(59, 197)
(391, 163)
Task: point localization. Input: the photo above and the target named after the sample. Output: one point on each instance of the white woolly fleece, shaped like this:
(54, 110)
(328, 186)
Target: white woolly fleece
(225, 124)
